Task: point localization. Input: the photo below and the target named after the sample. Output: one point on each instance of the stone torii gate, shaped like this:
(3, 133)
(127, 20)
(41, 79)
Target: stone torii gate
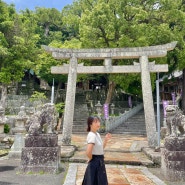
(144, 67)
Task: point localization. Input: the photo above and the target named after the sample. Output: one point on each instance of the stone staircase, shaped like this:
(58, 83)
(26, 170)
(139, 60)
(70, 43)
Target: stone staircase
(80, 118)
(133, 126)
(136, 124)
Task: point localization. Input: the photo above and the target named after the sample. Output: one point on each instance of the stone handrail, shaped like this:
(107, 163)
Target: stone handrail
(114, 122)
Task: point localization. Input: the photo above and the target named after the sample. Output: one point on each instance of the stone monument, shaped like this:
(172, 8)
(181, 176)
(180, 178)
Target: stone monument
(41, 152)
(173, 153)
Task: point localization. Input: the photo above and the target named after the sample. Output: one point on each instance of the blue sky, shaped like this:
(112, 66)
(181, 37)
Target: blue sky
(31, 4)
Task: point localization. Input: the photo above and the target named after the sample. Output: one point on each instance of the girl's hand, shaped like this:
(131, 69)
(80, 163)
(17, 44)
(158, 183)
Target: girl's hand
(88, 160)
(108, 137)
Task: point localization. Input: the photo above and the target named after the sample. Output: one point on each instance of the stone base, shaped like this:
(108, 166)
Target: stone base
(67, 151)
(2, 136)
(41, 154)
(173, 159)
(14, 154)
(43, 140)
(1, 128)
(16, 149)
(40, 159)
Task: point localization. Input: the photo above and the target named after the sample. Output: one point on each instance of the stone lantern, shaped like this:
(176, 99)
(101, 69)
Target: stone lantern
(98, 108)
(112, 108)
(20, 121)
(19, 132)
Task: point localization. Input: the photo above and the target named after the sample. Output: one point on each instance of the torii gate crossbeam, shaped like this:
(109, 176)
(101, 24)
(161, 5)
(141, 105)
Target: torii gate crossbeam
(143, 67)
(109, 69)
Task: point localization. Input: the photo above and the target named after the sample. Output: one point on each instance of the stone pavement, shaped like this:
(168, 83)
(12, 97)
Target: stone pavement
(122, 149)
(117, 175)
(126, 164)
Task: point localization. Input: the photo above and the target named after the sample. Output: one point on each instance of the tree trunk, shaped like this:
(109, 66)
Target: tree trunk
(183, 90)
(3, 95)
(46, 33)
(60, 122)
(57, 92)
(16, 88)
(110, 92)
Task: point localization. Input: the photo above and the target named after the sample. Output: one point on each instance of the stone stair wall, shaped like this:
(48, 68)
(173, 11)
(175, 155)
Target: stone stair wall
(136, 124)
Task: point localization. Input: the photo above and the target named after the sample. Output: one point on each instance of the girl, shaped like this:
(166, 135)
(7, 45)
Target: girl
(95, 173)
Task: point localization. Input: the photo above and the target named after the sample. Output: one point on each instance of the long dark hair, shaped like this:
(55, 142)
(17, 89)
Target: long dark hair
(90, 120)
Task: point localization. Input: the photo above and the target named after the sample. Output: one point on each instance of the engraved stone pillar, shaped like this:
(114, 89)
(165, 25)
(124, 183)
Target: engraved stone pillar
(70, 101)
(173, 159)
(148, 102)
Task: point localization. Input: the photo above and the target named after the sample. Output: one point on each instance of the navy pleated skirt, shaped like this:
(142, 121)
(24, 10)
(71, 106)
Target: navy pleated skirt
(95, 173)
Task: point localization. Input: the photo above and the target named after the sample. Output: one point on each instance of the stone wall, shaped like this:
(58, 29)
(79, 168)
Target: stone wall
(14, 102)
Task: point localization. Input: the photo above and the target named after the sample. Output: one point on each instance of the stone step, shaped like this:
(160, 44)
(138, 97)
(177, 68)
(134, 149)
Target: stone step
(78, 123)
(131, 126)
(143, 127)
(134, 122)
(134, 133)
(134, 125)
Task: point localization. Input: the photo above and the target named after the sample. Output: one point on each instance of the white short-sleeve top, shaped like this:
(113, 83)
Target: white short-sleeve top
(95, 139)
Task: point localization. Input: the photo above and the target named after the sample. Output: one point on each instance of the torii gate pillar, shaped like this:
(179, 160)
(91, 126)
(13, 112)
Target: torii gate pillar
(148, 102)
(70, 101)
(107, 54)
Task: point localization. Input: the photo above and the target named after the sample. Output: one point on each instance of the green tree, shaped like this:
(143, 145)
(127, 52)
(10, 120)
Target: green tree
(128, 23)
(17, 45)
(49, 22)
(43, 65)
(71, 16)
(43, 70)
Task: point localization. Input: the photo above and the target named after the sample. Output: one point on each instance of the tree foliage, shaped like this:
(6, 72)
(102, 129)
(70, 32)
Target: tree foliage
(89, 24)
(133, 23)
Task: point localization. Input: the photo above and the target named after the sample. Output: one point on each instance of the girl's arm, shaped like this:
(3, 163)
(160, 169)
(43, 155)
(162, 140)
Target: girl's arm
(89, 151)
